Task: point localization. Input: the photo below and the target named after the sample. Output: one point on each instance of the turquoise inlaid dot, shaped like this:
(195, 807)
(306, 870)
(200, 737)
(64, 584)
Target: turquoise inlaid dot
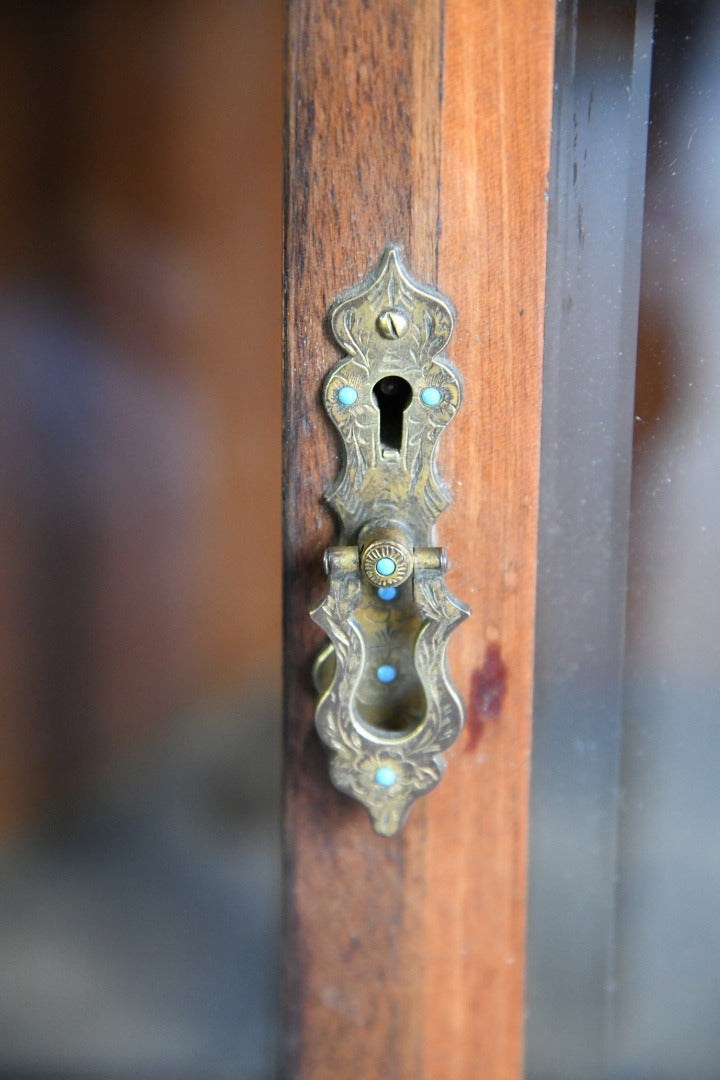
(387, 592)
(430, 396)
(386, 673)
(385, 566)
(385, 776)
(347, 395)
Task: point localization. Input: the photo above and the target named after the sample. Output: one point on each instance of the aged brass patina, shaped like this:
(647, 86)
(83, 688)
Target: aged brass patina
(387, 707)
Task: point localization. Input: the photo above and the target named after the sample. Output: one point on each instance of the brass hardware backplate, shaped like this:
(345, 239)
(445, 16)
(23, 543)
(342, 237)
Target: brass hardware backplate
(387, 707)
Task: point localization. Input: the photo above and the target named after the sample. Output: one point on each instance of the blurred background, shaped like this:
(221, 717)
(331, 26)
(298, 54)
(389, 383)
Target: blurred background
(140, 298)
(659, 966)
(667, 991)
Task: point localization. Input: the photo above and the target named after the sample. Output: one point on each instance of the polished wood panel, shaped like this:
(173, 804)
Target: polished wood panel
(363, 148)
(495, 161)
(426, 124)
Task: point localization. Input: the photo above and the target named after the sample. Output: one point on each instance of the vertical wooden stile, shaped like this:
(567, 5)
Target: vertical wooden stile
(426, 124)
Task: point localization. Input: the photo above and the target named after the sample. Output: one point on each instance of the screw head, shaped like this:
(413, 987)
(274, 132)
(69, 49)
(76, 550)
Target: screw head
(392, 323)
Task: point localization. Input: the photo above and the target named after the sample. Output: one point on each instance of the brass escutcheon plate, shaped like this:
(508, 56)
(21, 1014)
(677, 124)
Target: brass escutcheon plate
(387, 707)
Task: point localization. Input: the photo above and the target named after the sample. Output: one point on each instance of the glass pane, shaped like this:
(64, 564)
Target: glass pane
(602, 80)
(624, 905)
(668, 939)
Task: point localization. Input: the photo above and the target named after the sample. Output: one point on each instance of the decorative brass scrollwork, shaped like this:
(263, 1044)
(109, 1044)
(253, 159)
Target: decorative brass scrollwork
(387, 707)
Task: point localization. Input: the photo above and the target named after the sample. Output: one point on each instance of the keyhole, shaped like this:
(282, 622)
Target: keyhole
(392, 395)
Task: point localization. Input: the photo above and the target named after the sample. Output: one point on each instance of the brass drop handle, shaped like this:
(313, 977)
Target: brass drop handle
(387, 707)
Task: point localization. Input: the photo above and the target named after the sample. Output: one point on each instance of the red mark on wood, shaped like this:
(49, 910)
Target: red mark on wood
(351, 948)
(487, 691)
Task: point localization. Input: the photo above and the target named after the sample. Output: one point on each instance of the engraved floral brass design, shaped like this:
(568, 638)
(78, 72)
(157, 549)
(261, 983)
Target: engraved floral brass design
(387, 707)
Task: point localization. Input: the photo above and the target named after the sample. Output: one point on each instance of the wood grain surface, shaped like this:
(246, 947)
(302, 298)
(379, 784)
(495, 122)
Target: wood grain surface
(426, 124)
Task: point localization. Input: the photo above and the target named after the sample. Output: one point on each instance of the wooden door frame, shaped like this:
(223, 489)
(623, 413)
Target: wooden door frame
(425, 124)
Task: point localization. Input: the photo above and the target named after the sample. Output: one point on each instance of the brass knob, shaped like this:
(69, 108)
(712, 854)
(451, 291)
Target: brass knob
(386, 556)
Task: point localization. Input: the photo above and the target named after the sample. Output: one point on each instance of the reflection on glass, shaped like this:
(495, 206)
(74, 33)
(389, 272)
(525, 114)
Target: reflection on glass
(668, 941)
(602, 85)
